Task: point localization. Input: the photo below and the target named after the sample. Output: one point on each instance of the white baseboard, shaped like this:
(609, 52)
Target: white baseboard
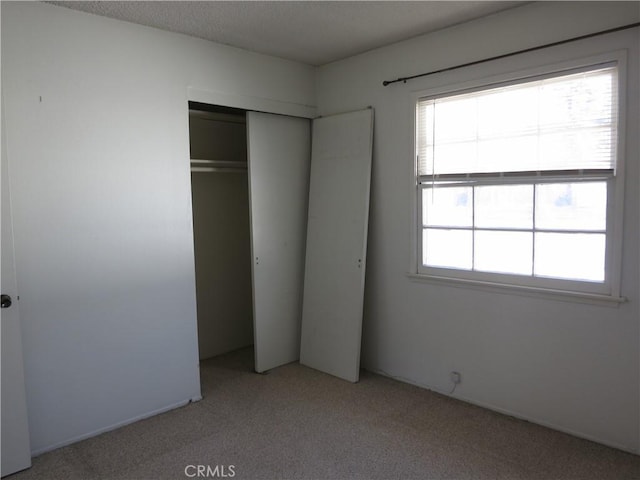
(504, 411)
(55, 446)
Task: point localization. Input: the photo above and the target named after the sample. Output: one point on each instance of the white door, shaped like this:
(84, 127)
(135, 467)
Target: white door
(337, 243)
(279, 149)
(15, 449)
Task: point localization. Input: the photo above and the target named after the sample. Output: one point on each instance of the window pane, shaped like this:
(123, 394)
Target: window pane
(573, 256)
(508, 206)
(447, 206)
(504, 252)
(447, 248)
(572, 206)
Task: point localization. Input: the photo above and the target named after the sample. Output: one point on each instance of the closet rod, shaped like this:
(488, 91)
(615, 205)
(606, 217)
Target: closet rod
(498, 57)
(202, 165)
(217, 170)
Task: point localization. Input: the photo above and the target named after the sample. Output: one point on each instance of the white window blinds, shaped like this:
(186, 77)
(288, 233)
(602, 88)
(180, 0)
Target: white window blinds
(564, 124)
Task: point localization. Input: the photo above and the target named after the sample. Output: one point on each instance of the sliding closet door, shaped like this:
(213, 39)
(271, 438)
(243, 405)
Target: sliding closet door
(337, 243)
(279, 154)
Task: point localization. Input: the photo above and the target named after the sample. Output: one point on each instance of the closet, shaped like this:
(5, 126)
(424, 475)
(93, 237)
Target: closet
(280, 233)
(221, 228)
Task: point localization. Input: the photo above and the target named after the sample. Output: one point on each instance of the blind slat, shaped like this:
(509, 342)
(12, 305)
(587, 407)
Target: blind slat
(493, 178)
(567, 122)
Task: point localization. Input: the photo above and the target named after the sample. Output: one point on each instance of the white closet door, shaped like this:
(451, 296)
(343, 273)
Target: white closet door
(15, 454)
(279, 150)
(337, 243)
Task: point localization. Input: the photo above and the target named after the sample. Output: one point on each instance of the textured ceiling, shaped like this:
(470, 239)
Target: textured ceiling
(312, 32)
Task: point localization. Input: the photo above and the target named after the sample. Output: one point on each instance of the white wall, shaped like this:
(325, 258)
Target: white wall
(98, 146)
(573, 366)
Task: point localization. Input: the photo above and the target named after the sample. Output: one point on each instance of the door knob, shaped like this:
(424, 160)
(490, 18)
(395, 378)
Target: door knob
(5, 301)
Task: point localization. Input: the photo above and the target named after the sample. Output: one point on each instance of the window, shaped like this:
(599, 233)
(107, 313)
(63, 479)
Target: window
(516, 181)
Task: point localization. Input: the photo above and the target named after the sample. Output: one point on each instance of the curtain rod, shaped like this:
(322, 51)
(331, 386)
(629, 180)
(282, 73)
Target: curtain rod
(498, 57)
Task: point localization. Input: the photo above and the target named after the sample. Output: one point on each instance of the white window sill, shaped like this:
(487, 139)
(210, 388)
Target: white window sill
(537, 292)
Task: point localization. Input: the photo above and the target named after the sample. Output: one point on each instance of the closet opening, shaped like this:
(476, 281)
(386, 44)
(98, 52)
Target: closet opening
(221, 228)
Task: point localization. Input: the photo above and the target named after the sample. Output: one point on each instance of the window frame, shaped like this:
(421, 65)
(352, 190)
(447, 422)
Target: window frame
(609, 290)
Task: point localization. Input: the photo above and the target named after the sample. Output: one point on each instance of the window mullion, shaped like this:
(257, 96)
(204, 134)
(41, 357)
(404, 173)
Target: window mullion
(473, 228)
(533, 232)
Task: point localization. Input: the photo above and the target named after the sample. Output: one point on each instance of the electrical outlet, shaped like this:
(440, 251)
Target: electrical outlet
(456, 378)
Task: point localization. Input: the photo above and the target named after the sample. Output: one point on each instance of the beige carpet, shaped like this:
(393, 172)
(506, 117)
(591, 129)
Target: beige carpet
(296, 423)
